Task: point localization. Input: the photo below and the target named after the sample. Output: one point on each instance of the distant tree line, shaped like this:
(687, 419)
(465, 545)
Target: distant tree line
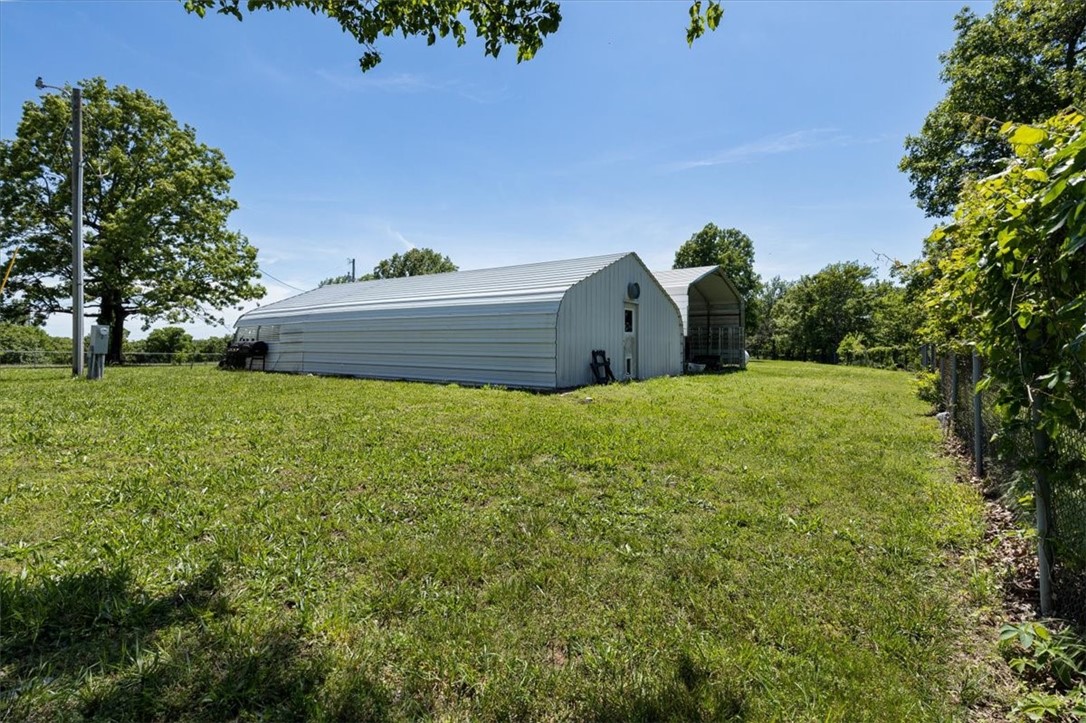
(24, 344)
(841, 314)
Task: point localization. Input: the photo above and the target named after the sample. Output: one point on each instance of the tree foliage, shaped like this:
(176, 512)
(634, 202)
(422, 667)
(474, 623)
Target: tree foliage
(523, 24)
(1023, 61)
(817, 312)
(729, 247)
(342, 279)
(762, 340)
(20, 343)
(1009, 274)
(156, 204)
(168, 340)
(415, 262)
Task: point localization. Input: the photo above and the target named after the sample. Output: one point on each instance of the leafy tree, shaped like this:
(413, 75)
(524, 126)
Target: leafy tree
(520, 23)
(1010, 272)
(1010, 277)
(1021, 62)
(415, 262)
(156, 204)
(168, 340)
(213, 344)
(762, 341)
(895, 316)
(20, 343)
(816, 313)
(344, 279)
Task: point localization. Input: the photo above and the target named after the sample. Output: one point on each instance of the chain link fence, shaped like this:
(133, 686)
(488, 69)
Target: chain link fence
(52, 358)
(1002, 453)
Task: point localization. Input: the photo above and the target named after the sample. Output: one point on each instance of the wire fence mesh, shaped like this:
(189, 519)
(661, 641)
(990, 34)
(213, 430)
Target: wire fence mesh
(54, 358)
(1004, 450)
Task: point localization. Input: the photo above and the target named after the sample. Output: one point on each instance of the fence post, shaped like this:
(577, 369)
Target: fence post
(978, 421)
(953, 404)
(1042, 492)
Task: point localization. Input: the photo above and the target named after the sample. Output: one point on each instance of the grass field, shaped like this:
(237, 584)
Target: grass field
(182, 543)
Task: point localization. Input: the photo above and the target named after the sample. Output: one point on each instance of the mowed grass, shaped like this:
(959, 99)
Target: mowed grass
(190, 544)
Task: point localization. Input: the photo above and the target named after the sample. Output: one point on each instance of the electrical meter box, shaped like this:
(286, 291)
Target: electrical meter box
(99, 339)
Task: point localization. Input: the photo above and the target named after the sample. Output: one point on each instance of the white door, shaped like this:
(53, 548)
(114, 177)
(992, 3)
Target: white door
(629, 342)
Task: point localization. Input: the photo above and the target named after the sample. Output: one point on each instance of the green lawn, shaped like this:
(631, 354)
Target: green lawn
(182, 543)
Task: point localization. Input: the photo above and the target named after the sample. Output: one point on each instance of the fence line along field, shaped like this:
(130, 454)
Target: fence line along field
(190, 544)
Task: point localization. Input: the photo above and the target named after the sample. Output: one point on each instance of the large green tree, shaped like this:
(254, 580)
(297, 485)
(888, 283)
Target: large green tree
(522, 24)
(415, 262)
(1022, 62)
(816, 313)
(156, 205)
(762, 341)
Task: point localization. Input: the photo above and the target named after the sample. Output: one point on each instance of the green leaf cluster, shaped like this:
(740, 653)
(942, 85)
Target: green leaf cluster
(1024, 60)
(523, 24)
(1009, 274)
(415, 262)
(1054, 662)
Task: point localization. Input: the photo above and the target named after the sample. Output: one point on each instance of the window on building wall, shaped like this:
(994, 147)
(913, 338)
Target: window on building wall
(629, 321)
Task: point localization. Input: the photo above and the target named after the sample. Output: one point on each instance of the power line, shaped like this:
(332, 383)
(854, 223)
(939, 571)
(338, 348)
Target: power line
(278, 281)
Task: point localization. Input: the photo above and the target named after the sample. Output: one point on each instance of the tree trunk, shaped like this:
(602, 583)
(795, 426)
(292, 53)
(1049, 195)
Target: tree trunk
(113, 313)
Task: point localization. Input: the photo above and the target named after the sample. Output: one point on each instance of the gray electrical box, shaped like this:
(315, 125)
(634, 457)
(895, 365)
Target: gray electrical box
(99, 339)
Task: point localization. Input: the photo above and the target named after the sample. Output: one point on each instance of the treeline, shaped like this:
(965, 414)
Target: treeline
(20, 344)
(840, 314)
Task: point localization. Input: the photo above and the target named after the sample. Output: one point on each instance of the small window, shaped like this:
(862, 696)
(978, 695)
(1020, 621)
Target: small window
(629, 366)
(629, 321)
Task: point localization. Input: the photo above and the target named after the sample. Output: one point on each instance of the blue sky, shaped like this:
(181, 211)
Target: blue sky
(786, 123)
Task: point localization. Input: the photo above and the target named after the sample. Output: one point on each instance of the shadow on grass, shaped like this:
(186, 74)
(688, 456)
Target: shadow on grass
(691, 695)
(93, 645)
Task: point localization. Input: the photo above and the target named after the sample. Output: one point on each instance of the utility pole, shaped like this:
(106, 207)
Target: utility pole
(77, 232)
(76, 96)
(352, 270)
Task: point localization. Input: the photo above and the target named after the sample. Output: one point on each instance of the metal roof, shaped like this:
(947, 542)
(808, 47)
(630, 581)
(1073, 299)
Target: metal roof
(677, 284)
(543, 282)
(679, 280)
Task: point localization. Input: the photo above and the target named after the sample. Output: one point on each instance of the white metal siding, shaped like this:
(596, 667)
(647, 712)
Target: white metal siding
(591, 317)
(531, 326)
(286, 355)
(510, 345)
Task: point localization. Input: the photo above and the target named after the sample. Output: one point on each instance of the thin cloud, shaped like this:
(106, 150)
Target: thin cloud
(408, 83)
(775, 145)
(401, 238)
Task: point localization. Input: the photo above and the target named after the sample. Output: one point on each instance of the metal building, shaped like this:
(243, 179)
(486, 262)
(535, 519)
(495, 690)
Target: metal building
(713, 314)
(531, 326)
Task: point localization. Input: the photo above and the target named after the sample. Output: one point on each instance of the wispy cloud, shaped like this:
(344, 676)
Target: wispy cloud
(400, 237)
(407, 83)
(774, 145)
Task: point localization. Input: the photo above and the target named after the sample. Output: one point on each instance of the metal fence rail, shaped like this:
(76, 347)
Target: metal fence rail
(999, 454)
(53, 358)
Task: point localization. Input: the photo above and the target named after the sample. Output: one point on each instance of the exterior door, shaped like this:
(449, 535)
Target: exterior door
(629, 342)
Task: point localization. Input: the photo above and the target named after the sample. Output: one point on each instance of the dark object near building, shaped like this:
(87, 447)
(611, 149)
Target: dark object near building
(242, 354)
(601, 367)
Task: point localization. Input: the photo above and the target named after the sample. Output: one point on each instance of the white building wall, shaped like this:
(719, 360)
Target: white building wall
(591, 317)
(506, 344)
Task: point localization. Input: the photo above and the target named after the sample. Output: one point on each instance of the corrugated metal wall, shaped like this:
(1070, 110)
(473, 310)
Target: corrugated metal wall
(505, 343)
(591, 317)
